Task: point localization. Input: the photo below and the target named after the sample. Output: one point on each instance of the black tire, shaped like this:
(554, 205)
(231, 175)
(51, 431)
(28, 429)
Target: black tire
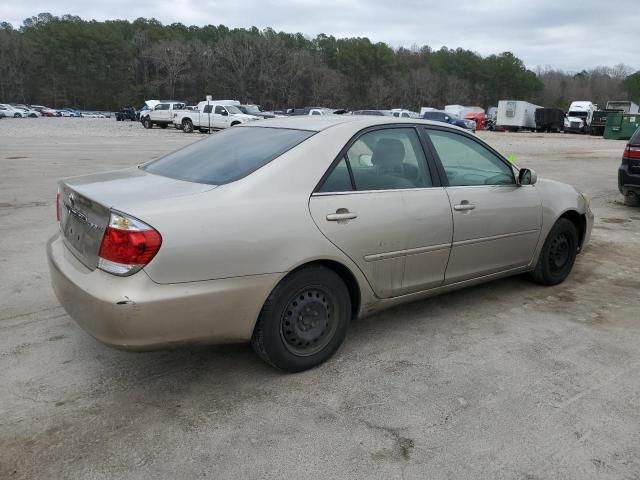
(187, 125)
(163, 125)
(319, 301)
(631, 200)
(558, 254)
(203, 130)
(146, 123)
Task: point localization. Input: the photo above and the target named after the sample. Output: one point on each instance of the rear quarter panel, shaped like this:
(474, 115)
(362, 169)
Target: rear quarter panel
(257, 225)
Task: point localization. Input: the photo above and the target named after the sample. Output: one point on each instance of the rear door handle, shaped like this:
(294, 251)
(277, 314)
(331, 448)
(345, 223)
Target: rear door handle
(464, 206)
(341, 215)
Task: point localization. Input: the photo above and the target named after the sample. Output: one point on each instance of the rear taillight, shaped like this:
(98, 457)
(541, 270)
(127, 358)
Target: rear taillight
(127, 245)
(632, 152)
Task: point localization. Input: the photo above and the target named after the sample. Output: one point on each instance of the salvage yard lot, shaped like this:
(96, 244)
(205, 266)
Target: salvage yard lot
(503, 380)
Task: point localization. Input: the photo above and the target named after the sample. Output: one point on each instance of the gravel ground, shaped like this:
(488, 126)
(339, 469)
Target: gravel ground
(504, 380)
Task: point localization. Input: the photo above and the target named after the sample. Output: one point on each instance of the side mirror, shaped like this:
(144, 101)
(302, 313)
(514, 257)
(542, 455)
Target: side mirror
(527, 177)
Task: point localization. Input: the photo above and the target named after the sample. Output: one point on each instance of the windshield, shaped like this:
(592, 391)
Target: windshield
(251, 109)
(227, 156)
(232, 109)
(578, 114)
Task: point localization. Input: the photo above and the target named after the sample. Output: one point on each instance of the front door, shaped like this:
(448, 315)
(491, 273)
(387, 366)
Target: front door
(379, 206)
(221, 117)
(496, 222)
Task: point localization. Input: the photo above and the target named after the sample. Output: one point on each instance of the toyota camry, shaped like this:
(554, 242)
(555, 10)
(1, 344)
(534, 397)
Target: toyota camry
(283, 231)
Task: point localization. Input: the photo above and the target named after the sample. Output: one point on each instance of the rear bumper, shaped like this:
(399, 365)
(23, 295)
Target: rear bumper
(134, 313)
(628, 182)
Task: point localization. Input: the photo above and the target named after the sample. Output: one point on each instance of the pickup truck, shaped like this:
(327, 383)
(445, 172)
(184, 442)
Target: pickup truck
(210, 116)
(160, 113)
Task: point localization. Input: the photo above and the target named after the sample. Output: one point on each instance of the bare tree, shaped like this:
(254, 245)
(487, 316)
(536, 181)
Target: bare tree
(171, 60)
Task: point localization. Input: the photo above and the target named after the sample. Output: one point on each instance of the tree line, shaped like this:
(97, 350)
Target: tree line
(68, 61)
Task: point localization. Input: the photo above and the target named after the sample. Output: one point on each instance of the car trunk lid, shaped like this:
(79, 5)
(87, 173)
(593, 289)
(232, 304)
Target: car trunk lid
(85, 204)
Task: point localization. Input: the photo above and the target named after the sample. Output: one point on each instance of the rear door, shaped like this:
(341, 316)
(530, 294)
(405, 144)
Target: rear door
(378, 204)
(496, 222)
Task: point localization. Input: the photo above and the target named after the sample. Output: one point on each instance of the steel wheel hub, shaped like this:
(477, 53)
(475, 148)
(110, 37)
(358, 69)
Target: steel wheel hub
(307, 322)
(559, 252)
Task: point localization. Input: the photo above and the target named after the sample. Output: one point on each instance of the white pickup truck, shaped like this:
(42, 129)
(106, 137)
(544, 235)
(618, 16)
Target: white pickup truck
(211, 115)
(159, 112)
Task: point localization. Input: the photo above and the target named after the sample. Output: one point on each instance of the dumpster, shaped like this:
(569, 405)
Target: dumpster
(621, 126)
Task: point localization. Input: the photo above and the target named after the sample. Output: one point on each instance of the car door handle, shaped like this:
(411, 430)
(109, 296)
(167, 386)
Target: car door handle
(464, 207)
(341, 215)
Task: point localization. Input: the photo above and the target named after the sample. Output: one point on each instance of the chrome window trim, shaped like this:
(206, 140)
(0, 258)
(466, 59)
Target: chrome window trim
(360, 192)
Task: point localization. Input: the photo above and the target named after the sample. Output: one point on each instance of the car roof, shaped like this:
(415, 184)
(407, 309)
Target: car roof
(318, 123)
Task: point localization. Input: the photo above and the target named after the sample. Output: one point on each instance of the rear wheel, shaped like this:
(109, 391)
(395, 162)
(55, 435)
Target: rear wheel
(558, 254)
(632, 200)
(187, 126)
(304, 320)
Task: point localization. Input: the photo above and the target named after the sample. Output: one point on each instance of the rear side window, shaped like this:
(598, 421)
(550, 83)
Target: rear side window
(227, 156)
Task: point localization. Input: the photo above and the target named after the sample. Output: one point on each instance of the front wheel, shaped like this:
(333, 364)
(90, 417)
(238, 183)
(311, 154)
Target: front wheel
(304, 320)
(558, 254)
(146, 123)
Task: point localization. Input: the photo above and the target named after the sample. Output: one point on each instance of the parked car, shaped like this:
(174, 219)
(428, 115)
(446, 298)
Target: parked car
(281, 232)
(211, 115)
(375, 113)
(11, 111)
(46, 111)
(479, 118)
(255, 111)
(30, 112)
(126, 113)
(161, 114)
(629, 172)
(444, 117)
(402, 113)
(70, 112)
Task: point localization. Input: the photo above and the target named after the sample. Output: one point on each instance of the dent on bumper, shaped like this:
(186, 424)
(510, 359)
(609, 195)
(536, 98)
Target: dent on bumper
(135, 313)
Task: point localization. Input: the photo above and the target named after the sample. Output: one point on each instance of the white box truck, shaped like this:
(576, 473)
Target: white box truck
(515, 115)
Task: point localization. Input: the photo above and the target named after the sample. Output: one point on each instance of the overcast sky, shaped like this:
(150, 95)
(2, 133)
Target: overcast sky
(570, 34)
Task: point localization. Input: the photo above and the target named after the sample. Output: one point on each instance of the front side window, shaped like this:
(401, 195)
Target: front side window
(227, 156)
(162, 106)
(466, 162)
(386, 159)
(219, 109)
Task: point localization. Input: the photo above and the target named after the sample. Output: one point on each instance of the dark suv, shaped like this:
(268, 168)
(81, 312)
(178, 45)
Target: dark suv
(629, 172)
(126, 113)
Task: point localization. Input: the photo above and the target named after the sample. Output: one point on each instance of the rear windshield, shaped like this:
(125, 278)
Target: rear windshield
(227, 156)
(635, 139)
